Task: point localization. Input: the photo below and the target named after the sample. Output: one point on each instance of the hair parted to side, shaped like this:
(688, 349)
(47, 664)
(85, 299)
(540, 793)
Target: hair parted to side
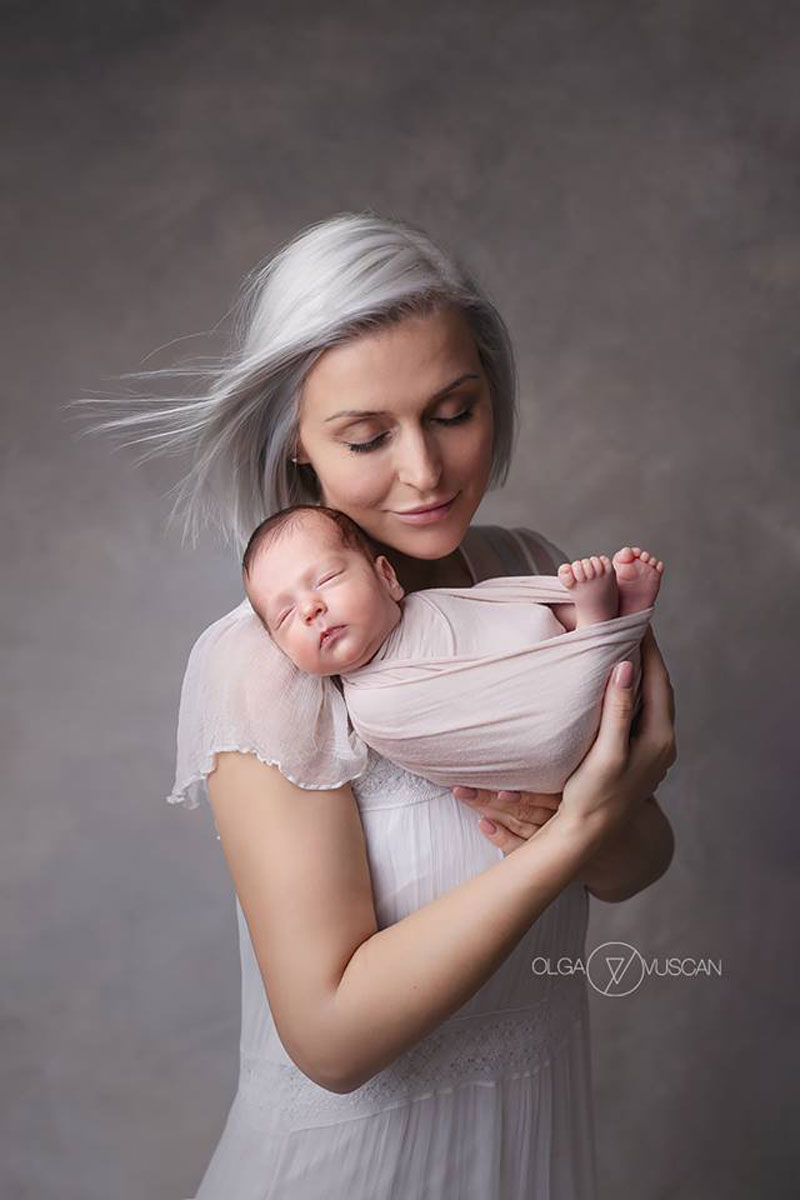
(350, 274)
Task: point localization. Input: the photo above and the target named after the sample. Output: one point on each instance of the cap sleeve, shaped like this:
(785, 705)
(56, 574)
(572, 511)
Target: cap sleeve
(240, 692)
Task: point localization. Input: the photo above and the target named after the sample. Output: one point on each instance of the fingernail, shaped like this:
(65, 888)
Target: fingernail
(490, 826)
(465, 793)
(623, 674)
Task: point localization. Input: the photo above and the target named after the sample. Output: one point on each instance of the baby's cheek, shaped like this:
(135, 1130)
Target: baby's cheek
(372, 616)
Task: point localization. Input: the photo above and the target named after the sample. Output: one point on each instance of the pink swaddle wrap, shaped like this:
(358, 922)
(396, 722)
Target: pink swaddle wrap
(482, 686)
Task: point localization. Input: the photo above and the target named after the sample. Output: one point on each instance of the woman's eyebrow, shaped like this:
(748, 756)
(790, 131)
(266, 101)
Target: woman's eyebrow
(374, 412)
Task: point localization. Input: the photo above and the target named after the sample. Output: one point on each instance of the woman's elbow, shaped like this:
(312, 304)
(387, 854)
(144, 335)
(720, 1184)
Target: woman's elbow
(326, 1068)
(341, 1081)
(662, 853)
(666, 845)
(340, 1085)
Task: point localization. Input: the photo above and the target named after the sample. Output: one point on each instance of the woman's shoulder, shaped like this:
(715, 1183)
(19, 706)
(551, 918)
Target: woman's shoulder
(495, 550)
(232, 640)
(234, 665)
(239, 692)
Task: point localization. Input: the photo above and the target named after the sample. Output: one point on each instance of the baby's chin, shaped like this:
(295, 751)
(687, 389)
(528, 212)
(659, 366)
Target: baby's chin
(327, 666)
(328, 669)
(351, 650)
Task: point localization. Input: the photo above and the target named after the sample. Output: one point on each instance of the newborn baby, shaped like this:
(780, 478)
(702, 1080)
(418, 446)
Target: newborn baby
(480, 686)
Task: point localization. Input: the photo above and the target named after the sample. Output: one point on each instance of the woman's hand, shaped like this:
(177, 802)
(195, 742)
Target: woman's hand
(509, 818)
(623, 768)
(620, 770)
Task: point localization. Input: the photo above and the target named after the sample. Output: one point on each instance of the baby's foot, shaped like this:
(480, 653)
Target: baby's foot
(593, 585)
(639, 578)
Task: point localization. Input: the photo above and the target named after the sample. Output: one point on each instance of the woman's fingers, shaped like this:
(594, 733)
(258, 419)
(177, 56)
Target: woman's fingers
(473, 796)
(656, 681)
(657, 722)
(611, 747)
(469, 794)
(501, 837)
(530, 800)
(509, 819)
(523, 826)
(519, 804)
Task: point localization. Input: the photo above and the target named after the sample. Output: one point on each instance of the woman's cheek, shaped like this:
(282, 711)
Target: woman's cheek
(484, 454)
(472, 465)
(360, 485)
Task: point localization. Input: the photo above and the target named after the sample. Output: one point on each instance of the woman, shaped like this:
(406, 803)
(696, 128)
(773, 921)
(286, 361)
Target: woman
(395, 1042)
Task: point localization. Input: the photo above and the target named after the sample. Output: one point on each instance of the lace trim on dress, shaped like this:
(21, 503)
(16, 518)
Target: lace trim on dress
(192, 792)
(485, 1046)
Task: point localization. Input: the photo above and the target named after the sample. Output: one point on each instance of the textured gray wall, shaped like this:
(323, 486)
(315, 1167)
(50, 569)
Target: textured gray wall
(623, 177)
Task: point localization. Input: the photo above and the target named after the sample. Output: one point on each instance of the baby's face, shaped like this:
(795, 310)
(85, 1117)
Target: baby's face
(306, 584)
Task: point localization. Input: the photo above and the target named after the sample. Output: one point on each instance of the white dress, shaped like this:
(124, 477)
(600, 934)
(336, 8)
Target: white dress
(495, 1103)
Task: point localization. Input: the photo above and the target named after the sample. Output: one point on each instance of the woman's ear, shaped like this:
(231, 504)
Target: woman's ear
(298, 454)
(387, 574)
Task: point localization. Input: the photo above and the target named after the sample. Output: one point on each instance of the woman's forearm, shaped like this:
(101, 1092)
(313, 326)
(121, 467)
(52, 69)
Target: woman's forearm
(406, 979)
(636, 857)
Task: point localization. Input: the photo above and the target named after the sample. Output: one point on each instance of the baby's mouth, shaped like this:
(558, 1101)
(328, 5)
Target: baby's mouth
(328, 634)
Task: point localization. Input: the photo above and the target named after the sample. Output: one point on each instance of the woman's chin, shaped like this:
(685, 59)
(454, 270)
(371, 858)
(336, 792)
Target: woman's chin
(429, 542)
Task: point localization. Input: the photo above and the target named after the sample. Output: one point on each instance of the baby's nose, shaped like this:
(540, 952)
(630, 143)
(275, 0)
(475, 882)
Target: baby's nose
(312, 606)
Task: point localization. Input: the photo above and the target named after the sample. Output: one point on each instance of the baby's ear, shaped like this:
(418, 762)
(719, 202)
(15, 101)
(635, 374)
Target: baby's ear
(387, 573)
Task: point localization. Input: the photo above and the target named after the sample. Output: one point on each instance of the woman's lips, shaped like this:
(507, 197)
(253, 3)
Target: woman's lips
(429, 516)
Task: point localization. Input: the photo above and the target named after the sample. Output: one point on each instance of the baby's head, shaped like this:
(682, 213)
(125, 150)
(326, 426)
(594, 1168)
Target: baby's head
(308, 570)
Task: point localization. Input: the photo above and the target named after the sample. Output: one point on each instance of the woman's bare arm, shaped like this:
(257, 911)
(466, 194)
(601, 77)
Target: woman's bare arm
(348, 998)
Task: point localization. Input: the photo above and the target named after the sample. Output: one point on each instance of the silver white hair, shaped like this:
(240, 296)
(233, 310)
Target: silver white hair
(348, 275)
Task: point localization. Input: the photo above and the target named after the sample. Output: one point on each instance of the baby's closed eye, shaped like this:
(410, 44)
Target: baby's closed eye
(287, 611)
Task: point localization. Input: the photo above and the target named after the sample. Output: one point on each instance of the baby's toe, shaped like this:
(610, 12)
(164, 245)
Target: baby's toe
(565, 574)
(577, 570)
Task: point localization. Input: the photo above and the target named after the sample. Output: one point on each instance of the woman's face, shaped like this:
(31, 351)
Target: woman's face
(401, 419)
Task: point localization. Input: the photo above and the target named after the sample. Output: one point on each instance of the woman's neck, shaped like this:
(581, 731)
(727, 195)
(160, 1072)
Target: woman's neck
(416, 574)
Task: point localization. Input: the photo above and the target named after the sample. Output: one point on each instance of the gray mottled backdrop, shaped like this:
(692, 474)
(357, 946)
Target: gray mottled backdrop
(623, 178)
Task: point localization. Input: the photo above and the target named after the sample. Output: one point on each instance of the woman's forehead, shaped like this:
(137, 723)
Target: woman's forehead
(400, 367)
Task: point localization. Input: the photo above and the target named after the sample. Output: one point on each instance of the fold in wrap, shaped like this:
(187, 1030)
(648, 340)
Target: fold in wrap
(482, 686)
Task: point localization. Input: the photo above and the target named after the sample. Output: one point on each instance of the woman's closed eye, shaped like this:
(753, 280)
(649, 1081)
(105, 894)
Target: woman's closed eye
(362, 447)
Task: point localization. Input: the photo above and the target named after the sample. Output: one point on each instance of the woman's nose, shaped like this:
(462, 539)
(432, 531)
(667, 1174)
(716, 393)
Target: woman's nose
(419, 464)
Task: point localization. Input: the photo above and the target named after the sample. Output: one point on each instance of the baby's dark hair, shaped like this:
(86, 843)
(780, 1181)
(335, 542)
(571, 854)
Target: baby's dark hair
(351, 535)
